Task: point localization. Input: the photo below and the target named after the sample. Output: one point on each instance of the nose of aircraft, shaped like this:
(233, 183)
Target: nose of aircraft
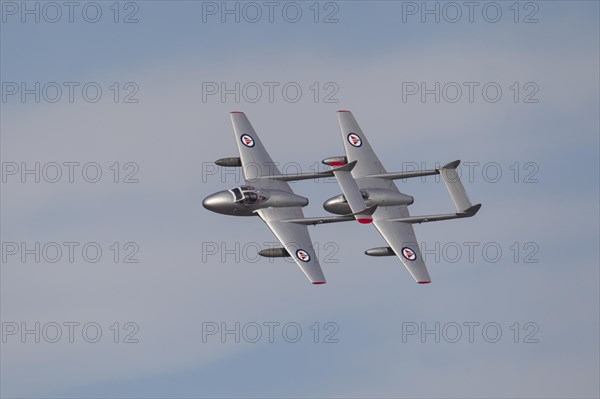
(337, 205)
(218, 202)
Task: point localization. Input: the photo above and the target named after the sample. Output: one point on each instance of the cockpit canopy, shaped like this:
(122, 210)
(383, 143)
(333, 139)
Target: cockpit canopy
(248, 195)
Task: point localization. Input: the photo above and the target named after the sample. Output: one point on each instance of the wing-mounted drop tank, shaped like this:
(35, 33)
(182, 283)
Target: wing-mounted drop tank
(229, 162)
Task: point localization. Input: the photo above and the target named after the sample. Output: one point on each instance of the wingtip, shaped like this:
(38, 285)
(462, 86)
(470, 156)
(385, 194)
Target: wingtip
(236, 112)
(471, 211)
(343, 110)
(424, 282)
(451, 165)
(319, 282)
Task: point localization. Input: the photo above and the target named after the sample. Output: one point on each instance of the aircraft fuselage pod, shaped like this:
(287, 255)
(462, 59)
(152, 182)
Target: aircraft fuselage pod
(246, 200)
(372, 197)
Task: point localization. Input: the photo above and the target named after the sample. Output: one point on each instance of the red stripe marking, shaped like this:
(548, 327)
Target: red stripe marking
(364, 220)
(337, 164)
(424, 282)
(319, 282)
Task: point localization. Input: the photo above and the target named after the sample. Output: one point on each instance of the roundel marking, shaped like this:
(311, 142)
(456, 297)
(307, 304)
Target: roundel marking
(247, 140)
(303, 255)
(409, 253)
(354, 140)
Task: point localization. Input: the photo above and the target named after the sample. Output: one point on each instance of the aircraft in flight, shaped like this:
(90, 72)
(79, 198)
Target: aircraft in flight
(368, 184)
(268, 195)
(369, 196)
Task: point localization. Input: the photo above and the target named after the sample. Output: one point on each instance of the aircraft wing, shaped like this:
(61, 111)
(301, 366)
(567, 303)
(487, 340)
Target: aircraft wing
(256, 161)
(295, 239)
(401, 238)
(358, 149)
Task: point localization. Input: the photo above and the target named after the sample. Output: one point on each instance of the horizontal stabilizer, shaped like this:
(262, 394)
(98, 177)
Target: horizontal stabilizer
(406, 175)
(315, 175)
(467, 213)
(331, 219)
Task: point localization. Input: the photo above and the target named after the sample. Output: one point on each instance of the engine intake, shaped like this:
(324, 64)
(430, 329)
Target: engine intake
(231, 161)
(380, 251)
(274, 253)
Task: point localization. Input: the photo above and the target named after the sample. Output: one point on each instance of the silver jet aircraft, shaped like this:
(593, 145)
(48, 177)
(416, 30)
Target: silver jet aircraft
(369, 185)
(268, 195)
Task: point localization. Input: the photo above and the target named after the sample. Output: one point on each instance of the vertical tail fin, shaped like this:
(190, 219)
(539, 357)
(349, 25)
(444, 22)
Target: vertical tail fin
(455, 186)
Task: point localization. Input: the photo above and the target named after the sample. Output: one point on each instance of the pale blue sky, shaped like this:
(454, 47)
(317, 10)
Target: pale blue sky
(171, 133)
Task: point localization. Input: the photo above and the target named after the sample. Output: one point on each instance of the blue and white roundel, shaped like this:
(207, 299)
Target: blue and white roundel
(354, 140)
(409, 253)
(247, 140)
(303, 255)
